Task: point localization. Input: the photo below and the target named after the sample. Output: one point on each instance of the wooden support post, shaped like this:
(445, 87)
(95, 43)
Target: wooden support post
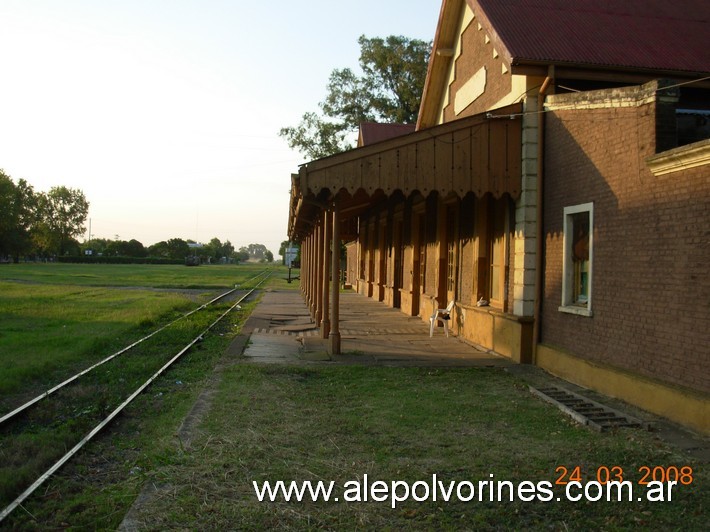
(335, 267)
(318, 296)
(327, 225)
(310, 275)
(304, 276)
(304, 265)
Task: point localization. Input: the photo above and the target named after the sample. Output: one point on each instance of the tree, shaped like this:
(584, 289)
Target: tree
(255, 251)
(316, 138)
(175, 248)
(217, 250)
(159, 249)
(62, 212)
(227, 250)
(210, 251)
(389, 90)
(241, 255)
(17, 215)
(282, 250)
(122, 248)
(178, 248)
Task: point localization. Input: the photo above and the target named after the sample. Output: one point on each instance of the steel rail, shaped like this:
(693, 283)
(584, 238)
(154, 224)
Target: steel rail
(37, 483)
(71, 379)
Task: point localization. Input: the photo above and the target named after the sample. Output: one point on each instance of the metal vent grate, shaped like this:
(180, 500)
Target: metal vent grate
(588, 412)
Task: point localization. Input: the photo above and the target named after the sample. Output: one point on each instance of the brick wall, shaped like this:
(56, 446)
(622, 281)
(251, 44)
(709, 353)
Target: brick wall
(650, 287)
(477, 53)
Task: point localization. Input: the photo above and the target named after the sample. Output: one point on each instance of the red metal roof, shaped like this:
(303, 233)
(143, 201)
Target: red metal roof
(372, 132)
(667, 35)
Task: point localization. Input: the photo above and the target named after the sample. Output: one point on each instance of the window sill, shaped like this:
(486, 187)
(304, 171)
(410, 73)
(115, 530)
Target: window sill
(579, 311)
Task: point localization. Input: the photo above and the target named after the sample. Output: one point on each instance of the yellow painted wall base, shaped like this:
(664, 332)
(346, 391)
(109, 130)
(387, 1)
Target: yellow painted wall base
(388, 296)
(407, 303)
(507, 335)
(686, 407)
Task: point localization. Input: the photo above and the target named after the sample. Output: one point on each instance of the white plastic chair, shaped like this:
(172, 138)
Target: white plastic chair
(443, 315)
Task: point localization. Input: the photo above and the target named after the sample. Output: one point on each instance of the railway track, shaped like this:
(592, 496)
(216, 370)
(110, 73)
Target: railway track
(13, 418)
(28, 404)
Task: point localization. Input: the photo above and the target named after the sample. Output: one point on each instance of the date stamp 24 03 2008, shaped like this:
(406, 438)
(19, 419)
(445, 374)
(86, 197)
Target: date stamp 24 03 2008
(604, 474)
(657, 481)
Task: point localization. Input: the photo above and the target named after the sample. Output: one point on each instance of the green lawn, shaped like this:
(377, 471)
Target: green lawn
(58, 319)
(271, 423)
(47, 331)
(146, 275)
(98, 485)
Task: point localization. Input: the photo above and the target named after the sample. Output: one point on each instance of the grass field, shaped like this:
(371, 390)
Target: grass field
(58, 319)
(47, 330)
(143, 275)
(270, 423)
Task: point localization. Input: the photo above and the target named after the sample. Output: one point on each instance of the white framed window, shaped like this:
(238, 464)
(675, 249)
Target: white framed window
(578, 227)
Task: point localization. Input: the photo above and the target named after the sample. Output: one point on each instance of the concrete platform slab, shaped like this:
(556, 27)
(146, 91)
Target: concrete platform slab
(371, 334)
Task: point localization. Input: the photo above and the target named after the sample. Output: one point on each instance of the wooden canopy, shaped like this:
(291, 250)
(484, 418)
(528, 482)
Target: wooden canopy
(479, 154)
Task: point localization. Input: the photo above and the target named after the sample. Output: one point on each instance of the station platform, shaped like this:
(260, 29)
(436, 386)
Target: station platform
(282, 331)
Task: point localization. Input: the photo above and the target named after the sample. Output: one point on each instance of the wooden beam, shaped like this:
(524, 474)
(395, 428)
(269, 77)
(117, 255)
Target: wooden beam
(335, 266)
(327, 225)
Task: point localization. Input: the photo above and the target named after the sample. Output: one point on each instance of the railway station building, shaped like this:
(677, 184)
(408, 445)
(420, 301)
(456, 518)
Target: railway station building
(556, 189)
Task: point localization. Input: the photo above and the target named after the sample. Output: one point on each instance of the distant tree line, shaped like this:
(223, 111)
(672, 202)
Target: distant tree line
(257, 252)
(42, 224)
(45, 225)
(174, 249)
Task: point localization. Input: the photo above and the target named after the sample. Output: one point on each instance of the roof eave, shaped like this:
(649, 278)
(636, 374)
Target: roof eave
(570, 69)
(444, 39)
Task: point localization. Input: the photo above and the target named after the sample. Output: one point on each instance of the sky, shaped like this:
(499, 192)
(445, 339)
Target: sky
(166, 113)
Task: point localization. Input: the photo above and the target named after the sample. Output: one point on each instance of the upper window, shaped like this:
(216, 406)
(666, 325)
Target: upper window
(577, 265)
